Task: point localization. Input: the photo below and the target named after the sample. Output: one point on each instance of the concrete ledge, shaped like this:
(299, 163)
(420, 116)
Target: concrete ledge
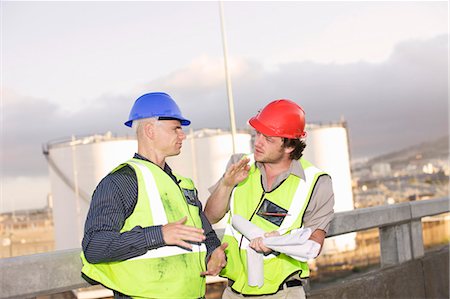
(41, 274)
(427, 277)
(381, 216)
(59, 271)
(436, 274)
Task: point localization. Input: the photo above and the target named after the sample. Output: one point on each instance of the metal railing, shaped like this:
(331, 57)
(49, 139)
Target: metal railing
(399, 225)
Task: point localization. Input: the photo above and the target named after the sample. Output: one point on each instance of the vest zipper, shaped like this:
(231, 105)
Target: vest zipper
(193, 221)
(253, 214)
(257, 206)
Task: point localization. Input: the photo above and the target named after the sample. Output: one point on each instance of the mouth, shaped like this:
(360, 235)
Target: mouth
(259, 151)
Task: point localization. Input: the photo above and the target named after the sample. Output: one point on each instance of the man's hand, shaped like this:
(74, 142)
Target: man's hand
(216, 261)
(258, 245)
(236, 173)
(218, 202)
(176, 233)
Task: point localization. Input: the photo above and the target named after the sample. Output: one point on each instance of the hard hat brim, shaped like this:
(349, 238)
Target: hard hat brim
(258, 126)
(183, 121)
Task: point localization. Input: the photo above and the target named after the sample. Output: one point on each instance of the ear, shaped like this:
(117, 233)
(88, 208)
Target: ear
(289, 150)
(149, 130)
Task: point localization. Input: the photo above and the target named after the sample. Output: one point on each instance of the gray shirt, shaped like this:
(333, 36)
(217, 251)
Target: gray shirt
(319, 212)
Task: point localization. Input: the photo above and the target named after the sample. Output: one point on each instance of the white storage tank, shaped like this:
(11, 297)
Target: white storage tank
(75, 168)
(327, 147)
(205, 154)
(204, 158)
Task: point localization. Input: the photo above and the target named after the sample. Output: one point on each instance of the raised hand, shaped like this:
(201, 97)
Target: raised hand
(176, 233)
(217, 261)
(218, 202)
(236, 173)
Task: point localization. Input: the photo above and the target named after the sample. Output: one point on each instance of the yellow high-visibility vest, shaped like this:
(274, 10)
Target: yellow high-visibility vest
(165, 272)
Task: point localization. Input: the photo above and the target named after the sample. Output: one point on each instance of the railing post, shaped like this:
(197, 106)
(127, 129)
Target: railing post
(395, 243)
(417, 239)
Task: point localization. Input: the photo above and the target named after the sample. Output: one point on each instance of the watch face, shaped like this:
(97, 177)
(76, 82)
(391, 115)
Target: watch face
(272, 212)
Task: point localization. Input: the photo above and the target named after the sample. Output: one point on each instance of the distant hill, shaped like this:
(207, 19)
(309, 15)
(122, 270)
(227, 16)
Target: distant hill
(437, 149)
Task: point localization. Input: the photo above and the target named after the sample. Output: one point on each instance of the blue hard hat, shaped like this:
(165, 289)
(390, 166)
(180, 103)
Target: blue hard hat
(156, 104)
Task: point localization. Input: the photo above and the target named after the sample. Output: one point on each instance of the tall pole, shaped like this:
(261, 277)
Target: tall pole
(228, 80)
(76, 188)
(193, 155)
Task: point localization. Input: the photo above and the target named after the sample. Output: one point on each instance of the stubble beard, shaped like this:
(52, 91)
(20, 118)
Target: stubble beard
(272, 159)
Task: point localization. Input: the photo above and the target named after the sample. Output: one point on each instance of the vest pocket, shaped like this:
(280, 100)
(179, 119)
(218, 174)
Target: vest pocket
(272, 212)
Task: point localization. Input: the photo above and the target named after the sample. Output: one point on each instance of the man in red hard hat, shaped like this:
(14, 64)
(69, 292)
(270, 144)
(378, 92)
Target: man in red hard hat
(279, 208)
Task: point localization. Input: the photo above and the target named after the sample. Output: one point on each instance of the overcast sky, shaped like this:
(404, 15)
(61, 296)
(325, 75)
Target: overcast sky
(75, 68)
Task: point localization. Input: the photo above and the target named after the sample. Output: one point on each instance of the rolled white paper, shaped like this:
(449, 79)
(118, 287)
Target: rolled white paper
(255, 260)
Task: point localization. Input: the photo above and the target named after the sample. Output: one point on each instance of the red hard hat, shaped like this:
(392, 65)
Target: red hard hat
(282, 118)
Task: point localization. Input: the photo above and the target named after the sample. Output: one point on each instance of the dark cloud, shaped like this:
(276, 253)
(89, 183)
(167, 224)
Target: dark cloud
(28, 124)
(388, 106)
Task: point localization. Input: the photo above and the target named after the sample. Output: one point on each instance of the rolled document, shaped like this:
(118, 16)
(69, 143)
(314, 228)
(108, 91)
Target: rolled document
(255, 260)
(246, 228)
(255, 266)
(295, 244)
(302, 252)
(295, 237)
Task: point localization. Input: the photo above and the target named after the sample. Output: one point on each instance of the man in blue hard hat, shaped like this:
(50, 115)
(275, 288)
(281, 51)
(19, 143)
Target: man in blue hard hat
(145, 234)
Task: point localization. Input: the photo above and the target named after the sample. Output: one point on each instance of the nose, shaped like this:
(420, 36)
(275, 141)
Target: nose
(258, 139)
(182, 135)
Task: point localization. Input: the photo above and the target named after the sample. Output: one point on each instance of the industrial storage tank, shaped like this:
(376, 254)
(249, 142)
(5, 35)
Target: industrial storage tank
(204, 158)
(327, 147)
(77, 165)
(205, 154)
(75, 168)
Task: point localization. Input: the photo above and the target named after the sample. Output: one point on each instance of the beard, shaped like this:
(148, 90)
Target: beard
(270, 157)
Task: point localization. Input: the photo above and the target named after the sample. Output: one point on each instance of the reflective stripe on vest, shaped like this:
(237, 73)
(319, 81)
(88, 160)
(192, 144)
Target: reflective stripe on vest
(157, 208)
(159, 217)
(299, 200)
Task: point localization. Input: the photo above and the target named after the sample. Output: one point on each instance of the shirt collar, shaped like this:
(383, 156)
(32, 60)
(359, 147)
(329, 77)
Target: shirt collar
(166, 169)
(295, 169)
